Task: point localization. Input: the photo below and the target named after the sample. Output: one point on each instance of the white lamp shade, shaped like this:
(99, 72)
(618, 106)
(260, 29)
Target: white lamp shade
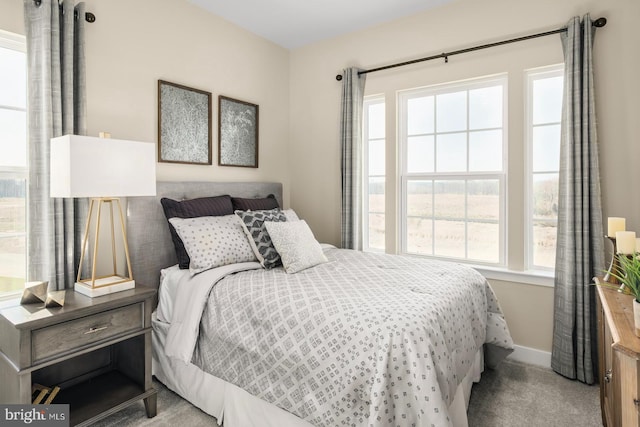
(86, 166)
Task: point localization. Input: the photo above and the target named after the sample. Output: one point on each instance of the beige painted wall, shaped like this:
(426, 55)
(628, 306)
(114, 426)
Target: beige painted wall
(315, 110)
(529, 312)
(132, 44)
(11, 17)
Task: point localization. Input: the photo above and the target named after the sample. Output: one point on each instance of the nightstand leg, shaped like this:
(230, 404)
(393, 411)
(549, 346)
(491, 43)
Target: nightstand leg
(151, 405)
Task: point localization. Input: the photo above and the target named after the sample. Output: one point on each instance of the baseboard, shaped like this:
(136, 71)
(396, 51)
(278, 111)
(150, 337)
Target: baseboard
(531, 355)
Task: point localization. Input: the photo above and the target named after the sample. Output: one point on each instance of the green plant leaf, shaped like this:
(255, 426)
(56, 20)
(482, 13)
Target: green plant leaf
(628, 273)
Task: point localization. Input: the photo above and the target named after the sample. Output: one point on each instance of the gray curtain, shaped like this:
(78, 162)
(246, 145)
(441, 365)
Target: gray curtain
(56, 106)
(580, 252)
(351, 166)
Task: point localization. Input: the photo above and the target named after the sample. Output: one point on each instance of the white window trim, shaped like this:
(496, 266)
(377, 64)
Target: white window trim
(529, 277)
(404, 176)
(6, 296)
(532, 75)
(368, 100)
(13, 41)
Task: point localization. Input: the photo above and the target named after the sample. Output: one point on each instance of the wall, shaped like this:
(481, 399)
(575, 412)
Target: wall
(11, 18)
(132, 45)
(315, 110)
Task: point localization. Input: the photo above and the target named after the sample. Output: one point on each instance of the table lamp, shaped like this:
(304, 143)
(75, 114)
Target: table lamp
(102, 169)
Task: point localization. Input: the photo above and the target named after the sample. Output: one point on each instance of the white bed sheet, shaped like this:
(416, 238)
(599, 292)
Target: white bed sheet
(170, 278)
(237, 408)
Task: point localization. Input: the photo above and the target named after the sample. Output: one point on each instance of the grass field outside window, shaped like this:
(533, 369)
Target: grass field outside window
(13, 162)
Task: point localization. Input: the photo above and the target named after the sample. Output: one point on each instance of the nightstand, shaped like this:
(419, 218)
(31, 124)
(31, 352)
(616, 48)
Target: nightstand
(97, 350)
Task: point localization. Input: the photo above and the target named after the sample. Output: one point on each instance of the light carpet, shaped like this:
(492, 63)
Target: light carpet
(514, 395)
(518, 394)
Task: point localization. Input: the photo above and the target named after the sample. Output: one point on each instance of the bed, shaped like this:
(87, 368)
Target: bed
(361, 339)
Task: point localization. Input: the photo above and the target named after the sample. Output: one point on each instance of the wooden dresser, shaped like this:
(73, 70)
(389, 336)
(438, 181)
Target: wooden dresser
(619, 355)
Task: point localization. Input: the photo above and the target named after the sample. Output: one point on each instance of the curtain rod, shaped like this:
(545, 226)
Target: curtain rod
(600, 22)
(88, 16)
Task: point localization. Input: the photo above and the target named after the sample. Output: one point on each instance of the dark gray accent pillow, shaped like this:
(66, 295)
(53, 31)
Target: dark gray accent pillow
(266, 203)
(253, 222)
(193, 208)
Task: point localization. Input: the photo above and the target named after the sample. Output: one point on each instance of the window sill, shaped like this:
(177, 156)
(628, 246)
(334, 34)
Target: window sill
(528, 277)
(6, 296)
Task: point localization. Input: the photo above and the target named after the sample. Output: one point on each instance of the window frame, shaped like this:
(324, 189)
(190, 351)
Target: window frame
(502, 177)
(18, 43)
(531, 75)
(369, 101)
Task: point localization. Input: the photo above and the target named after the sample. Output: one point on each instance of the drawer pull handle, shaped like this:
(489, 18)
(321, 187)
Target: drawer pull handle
(94, 329)
(636, 402)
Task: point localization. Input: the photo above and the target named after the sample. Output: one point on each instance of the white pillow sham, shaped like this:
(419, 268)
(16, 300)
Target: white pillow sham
(213, 241)
(296, 245)
(290, 214)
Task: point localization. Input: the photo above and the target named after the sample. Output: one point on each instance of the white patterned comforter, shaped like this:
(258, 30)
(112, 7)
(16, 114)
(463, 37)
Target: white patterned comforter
(364, 340)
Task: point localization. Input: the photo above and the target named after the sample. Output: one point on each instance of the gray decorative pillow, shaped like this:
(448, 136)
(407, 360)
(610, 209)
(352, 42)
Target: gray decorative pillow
(213, 241)
(253, 223)
(296, 245)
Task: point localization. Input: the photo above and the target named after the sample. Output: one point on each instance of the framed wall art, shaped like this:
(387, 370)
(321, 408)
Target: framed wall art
(237, 133)
(184, 124)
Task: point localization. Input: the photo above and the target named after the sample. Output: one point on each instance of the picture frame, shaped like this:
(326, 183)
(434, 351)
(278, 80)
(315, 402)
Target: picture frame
(237, 133)
(184, 124)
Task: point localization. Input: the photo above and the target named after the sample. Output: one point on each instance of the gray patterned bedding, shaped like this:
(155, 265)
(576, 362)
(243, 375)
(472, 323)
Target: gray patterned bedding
(363, 340)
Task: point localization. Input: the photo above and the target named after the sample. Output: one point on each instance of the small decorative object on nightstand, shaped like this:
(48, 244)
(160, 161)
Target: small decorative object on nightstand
(96, 350)
(39, 392)
(34, 292)
(55, 299)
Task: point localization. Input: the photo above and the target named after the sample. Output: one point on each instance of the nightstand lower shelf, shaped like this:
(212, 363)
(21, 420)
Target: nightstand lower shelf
(105, 394)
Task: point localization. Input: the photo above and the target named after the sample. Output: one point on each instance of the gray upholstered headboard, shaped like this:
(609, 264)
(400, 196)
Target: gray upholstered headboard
(150, 245)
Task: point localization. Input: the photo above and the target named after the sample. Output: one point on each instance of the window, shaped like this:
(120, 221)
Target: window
(455, 163)
(13, 161)
(544, 109)
(452, 144)
(374, 174)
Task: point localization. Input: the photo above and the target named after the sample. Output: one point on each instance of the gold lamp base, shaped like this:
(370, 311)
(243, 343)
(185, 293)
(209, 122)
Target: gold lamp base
(97, 286)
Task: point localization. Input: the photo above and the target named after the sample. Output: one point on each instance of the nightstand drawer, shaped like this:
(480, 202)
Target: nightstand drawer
(75, 334)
